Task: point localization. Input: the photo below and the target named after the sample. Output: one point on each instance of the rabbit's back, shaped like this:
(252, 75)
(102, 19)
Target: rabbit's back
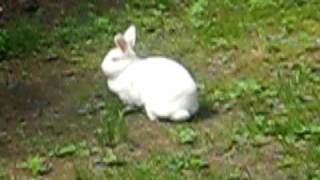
(161, 75)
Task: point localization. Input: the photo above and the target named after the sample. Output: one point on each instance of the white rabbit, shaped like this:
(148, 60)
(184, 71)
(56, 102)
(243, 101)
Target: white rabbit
(161, 85)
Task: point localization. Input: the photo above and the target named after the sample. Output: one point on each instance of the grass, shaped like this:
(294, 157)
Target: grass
(256, 63)
(113, 128)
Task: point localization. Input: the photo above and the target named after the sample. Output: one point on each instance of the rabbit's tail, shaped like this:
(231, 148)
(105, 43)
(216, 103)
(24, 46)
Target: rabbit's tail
(180, 115)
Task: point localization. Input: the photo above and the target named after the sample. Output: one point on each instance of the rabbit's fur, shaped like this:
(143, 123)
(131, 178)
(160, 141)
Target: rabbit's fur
(161, 85)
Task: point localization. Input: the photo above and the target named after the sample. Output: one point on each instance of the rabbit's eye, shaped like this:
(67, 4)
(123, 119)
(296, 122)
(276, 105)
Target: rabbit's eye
(115, 59)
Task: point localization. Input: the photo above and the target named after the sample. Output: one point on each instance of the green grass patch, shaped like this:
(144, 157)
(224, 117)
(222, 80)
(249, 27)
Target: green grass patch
(256, 63)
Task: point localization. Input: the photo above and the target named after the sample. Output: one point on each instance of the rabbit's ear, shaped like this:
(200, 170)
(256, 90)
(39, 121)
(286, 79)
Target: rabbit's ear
(130, 36)
(121, 43)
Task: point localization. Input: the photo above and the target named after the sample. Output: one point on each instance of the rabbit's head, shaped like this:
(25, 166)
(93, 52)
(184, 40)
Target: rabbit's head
(122, 55)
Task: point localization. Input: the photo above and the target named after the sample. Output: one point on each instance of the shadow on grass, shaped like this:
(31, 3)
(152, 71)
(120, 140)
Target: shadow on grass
(204, 113)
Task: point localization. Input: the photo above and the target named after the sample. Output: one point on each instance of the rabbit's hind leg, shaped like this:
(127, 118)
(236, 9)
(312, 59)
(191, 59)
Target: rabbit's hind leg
(150, 114)
(180, 115)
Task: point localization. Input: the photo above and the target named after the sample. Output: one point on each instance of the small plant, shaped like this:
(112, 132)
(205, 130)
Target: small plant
(37, 165)
(197, 11)
(67, 150)
(81, 149)
(84, 149)
(111, 159)
(180, 161)
(113, 128)
(185, 135)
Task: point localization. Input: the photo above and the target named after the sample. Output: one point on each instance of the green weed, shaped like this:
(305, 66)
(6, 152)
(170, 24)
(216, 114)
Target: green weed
(197, 12)
(184, 135)
(113, 128)
(180, 161)
(37, 165)
(111, 159)
(80, 149)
